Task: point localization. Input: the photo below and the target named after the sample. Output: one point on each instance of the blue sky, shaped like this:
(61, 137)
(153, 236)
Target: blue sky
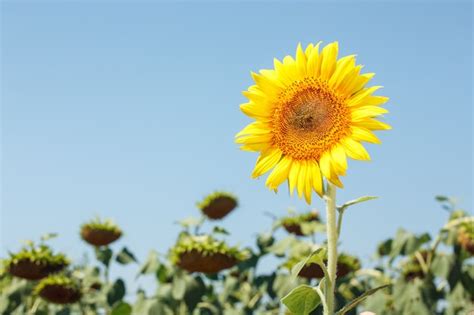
(129, 110)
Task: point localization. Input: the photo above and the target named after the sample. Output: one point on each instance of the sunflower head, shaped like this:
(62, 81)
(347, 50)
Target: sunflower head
(35, 262)
(58, 289)
(293, 223)
(217, 205)
(466, 236)
(345, 265)
(205, 254)
(100, 232)
(311, 112)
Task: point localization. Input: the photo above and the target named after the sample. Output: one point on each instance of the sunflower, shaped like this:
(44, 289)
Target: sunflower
(311, 112)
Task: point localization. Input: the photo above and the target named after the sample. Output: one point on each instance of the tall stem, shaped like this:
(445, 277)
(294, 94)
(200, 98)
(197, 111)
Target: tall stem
(331, 230)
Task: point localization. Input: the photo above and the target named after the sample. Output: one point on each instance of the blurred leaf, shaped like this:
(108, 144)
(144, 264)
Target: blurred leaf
(352, 304)
(301, 300)
(103, 255)
(151, 265)
(191, 222)
(441, 265)
(48, 236)
(125, 257)
(179, 287)
(122, 309)
(280, 247)
(316, 256)
(312, 227)
(220, 230)
(264, 241)
(116, 292)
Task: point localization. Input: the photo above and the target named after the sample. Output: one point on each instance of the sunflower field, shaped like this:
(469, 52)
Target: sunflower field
(203, 274)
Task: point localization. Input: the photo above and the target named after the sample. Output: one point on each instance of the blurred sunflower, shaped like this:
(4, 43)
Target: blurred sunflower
(311, 112)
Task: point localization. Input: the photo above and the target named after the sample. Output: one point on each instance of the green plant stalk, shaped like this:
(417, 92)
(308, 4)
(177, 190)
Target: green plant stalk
(332, 235)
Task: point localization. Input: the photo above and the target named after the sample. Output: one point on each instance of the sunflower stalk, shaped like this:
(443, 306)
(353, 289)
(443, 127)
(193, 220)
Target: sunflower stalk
(332, 236)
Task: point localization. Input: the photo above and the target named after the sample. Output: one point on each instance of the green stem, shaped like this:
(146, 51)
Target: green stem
(332, 235)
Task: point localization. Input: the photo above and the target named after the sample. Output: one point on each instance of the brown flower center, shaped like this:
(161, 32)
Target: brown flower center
(309, 120)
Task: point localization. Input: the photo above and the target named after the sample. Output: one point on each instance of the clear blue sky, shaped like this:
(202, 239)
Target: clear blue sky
(129, 111)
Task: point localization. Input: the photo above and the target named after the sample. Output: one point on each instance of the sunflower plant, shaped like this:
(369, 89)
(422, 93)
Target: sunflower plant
(312, 112)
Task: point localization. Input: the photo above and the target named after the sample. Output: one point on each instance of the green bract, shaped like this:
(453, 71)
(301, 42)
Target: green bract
(34, 263)
(206, 245)
(300, 218)
(104, 225)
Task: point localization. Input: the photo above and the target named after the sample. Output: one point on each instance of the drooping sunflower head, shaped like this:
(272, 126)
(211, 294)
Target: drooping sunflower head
(311, 112)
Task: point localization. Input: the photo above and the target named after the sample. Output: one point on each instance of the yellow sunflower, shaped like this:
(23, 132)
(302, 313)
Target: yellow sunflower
(311, 112)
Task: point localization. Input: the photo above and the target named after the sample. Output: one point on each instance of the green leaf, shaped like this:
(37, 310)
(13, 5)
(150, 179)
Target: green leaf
(151, 265)
(116, 292)
(312, 227)
(103, 255)
(301, 300)
(220, 230)
(316, 256)
(355, 201)
(280, 247)
(190, 222)
(179, 287)
(125, 257)
(122, 309)
(352, 304)
(48, 236)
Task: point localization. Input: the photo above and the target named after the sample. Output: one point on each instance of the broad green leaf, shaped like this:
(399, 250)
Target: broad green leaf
(280, 247)
(151, 265)
(352, 304)
(355, 201)
(103, 255)
(122, 309)
(116, 292)
(312, 227)
(125, 257)
(301, 300)
(179, 287)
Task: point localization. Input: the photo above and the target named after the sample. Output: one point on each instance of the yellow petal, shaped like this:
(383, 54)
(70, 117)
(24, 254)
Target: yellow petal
(251, 139)
(373, 124)
(300, 61)
(308, 183)
(293, 176)
(257, 111)
(308, 50)
(266, 162)
(325, 165)
(363, 134)
(364, 112)
(280, 173)
(301, 183)
(313, 67)
(255, 128)
(359, 97)
(317, 179)
(339, 159)
(329, 58)
(355, 150)
(343, 66)
(359, 82)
